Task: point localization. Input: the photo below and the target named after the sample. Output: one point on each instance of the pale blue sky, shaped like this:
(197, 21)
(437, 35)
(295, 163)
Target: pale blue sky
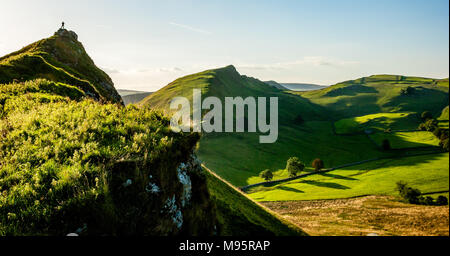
(146, 44)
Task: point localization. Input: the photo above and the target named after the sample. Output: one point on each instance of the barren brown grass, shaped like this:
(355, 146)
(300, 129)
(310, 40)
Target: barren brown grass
(382, 215)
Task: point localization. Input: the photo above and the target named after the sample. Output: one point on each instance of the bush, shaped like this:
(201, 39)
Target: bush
(318, 164)
(267, 175)
(409, 194)
(442, 200)
(294, 166)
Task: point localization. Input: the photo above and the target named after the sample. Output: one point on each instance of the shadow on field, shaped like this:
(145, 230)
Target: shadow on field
(325, 184)
(336, 176)
(290, 189)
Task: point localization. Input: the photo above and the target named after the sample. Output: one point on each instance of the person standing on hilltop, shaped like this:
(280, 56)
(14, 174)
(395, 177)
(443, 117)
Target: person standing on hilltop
(62, 26)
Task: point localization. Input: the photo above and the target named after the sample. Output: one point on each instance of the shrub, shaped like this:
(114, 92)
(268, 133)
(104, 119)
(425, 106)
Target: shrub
(409, 194)
(442, 200)
(267, 175)
(318, 164)
(294, 166)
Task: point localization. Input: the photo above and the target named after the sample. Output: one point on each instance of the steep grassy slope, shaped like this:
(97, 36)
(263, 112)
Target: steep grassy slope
(72, 165)
(238, 156)
(240, 216)
(60, 58)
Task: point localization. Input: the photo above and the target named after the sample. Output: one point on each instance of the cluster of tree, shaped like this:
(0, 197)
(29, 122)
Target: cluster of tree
(430, 124)
(294, 166)
(414, 196)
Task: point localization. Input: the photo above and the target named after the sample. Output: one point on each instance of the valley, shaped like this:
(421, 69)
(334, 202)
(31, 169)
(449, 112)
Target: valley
(342, 124)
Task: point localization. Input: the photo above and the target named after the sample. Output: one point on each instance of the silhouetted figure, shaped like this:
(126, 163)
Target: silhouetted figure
(62, 27)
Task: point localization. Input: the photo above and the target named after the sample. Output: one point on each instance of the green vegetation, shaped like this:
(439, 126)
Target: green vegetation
(267, 175)
(401, 140)
(414, 196)
(73, 162)
(381, 94)
(63, 162)
(429, 173)
(60, 58)
(294, 166)
(240, 216)
(377, 122)
(239, 158)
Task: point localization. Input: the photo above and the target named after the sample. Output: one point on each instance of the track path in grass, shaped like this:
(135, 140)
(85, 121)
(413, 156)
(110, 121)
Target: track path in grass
(244, 188)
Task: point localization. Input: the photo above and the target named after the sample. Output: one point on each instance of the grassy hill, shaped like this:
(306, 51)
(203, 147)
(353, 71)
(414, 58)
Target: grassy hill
(239, 157)
(60, 58)
(382, 93)
(238, 215)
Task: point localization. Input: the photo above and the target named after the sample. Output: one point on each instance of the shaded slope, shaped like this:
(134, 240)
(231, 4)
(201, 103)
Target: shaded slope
(60, 58)
(240, 216)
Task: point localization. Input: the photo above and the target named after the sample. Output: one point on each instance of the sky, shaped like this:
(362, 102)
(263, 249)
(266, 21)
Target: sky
(144, 45)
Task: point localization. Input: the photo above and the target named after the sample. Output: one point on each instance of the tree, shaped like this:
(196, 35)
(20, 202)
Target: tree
(294, 166)
(442, 200)
(267, 175)
(318, 164)
(411, 195)
(386, 145)
(426, 115)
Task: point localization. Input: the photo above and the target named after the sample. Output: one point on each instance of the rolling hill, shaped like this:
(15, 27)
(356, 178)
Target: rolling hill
(238, 157)
(382, 93)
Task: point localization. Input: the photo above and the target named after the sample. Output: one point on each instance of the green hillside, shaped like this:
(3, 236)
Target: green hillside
(382, 93)
(60, 58)
(240, 216)
(307, 122)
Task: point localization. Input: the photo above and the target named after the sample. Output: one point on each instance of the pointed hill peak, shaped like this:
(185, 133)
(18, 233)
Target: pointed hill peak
(59, 58)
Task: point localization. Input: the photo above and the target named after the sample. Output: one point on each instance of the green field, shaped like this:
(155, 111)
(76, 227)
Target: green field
(377, 122)
(429, 173)
(399, 140)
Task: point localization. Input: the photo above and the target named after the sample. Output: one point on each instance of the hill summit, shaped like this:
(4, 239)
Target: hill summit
(59, 58)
